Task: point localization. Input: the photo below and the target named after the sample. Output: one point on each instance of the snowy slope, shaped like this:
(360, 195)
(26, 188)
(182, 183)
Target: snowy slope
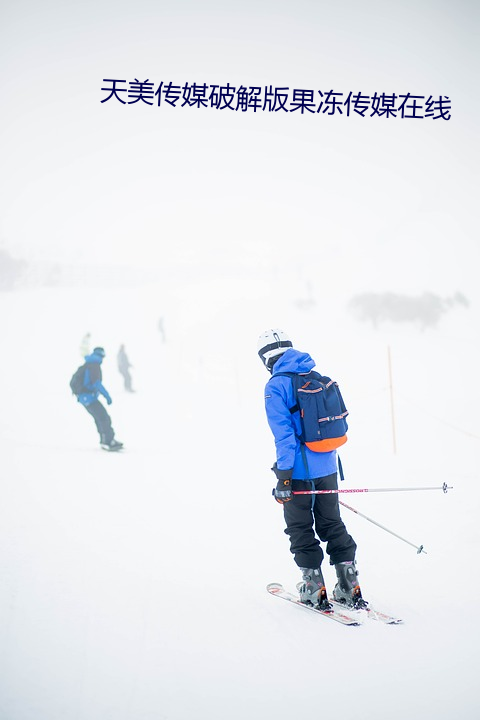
(116, 569)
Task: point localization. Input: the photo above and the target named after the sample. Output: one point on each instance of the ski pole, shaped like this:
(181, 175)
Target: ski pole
(443, 487)
(419, 548)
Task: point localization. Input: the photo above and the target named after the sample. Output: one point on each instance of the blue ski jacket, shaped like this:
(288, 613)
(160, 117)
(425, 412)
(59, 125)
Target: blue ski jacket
(286, 427)
(93, 381)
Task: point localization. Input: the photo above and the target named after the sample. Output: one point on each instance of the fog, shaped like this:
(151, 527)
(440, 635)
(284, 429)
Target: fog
(356, 234)
(389, 201)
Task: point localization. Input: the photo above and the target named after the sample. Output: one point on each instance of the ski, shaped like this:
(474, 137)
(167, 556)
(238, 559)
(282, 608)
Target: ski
(371, 613)
(337, 614)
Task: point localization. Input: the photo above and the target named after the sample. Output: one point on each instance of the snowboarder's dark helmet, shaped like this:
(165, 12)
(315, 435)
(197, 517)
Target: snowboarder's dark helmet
(99, 351)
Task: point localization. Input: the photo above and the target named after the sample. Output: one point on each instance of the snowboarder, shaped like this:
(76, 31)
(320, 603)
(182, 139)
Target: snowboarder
(123, 364)
(309, 518)
(88, 397)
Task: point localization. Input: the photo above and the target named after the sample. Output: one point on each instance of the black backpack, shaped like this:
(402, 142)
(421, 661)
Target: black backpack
(77, 382)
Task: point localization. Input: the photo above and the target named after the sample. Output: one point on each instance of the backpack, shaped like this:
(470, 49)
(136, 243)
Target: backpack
(322, 411)
(78, 378)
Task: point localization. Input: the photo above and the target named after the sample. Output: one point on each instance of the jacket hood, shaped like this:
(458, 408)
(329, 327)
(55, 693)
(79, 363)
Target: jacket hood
(93, 358)
(293, 361)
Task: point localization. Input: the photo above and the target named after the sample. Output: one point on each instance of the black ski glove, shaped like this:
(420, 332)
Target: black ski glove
(283, 492)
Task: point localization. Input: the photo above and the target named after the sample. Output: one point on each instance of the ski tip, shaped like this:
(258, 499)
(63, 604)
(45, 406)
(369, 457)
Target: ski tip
(274, 587)
(383, 617)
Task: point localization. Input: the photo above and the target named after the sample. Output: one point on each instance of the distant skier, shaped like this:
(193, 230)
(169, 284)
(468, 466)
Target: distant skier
(87, 385)
(124, 366)
(300, 468)
(85, 345)
(161, 329)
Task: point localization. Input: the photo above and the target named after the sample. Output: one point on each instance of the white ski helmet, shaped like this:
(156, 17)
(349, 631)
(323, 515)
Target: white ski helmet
(271, 344)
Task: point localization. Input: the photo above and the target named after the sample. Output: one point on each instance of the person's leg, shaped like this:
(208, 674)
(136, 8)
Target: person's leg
(304, 545)
(127, 379)
(102, 421)
(329, 525)
(341, 546)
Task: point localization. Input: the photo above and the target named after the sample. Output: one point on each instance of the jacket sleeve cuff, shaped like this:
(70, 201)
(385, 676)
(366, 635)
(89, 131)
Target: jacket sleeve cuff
(282, 474)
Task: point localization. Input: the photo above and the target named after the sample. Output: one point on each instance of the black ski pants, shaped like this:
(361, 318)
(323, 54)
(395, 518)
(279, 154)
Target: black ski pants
(102, 421)
(310, 517)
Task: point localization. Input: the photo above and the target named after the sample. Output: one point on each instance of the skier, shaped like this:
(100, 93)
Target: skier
(161, 329)
(85, 345)
(308, 518)
(88, 397)
(123, 364)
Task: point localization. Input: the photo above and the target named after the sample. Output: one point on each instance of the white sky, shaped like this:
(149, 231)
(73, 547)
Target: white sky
(88, 182)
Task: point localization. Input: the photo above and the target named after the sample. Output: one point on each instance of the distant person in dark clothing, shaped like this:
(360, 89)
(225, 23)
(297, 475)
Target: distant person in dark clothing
(124, 368)
(88, 397)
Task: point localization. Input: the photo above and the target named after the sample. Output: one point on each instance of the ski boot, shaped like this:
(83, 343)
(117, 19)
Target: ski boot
(312, 589)
(347, 590)
(112, 446)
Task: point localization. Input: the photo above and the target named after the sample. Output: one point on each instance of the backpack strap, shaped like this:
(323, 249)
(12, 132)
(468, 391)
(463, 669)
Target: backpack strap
(304, 458)
(292, 410)
(293, 377)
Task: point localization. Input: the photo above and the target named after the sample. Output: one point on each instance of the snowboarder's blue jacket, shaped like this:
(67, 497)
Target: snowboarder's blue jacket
(93, 381)
(285, 426)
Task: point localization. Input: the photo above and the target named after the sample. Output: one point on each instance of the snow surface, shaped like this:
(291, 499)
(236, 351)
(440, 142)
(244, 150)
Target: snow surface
(133, 584)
